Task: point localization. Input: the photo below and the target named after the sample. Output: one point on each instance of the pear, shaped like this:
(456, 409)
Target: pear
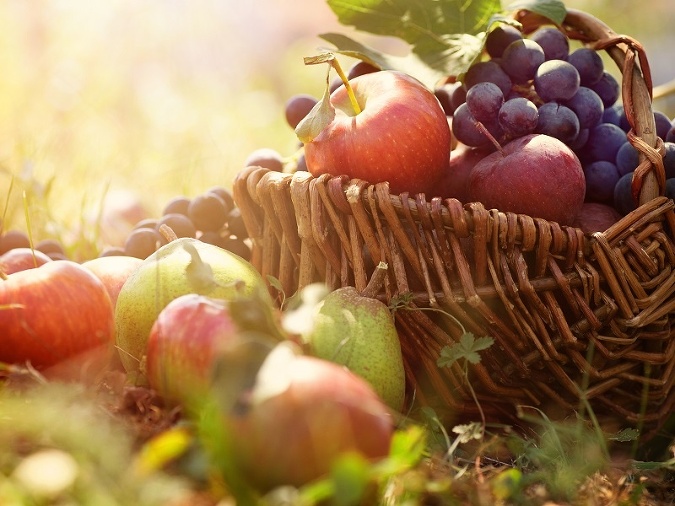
(181, 267)
(358, 332)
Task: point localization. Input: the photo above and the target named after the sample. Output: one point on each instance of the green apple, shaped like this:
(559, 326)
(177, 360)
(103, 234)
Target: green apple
(181, 267)
(359, 333)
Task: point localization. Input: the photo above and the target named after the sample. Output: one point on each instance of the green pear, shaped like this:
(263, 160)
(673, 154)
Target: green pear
(181, 267)
(358, 332)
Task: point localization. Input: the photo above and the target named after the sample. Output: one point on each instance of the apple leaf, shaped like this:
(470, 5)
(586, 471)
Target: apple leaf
(318, 118)
(551, 9)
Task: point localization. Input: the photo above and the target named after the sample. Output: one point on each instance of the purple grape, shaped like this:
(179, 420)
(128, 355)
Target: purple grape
(601, 178)
(484, 101)
(488, 71)
(444, 95)
(662, 124)
(556, 80)
(521, 59)
(580, 141)
(558, 121)
(670, 188)
(297, 107)
(555, 43)
(608, 88)
(669, 160)
(670, 136)
(588, 63)
(588, 107)
(518, 116)
(465, 129)
(627, 158)
(623, 197)
(499, 38)
(604, 141)
(613, 114)
(458, 97)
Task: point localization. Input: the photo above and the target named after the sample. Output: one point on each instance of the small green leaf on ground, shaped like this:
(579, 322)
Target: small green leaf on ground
(467, 348)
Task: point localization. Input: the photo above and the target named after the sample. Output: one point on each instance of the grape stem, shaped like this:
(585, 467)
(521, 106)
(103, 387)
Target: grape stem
(487, 134)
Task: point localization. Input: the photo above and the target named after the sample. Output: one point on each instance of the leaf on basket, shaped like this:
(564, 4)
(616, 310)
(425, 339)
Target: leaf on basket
(318, 118)
(467, 348)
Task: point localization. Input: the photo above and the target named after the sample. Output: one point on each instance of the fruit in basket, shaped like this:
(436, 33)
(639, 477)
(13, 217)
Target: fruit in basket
(53, 313)
(596, 217)
(380, 126)
(359, 332)
(537, 175)
(304, 413)
(180, 267)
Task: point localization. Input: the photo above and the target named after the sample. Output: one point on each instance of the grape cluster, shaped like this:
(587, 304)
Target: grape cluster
(540, 84)
(13, 239)
(211, 216)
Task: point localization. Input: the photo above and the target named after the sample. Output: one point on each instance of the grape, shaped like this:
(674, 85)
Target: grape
(146, 223)
(458, 97)
(465, 129)
(623, 197)
(604, 141)
(499, 38)
(359, 68)
(224, 194)
(669, 160)
(588, 107)
(580, 141)
(558, 121)
(212, 237)
(488, 71)
(556, 80)
(444, 95)
(301, 163)
(484, 101)
(13, 239)
(236, 225)
(613, 114)
(521, 59)
(112, 251)
(237, 246)
(601, 178)
(177, 205)
(181, 225)
(518, 116)
(608, 89)
(265, 157)
(662, 124)
(555, 43)
(297, 107)
(670, 188)
(627, 158)
(670, 136)
(143, 242)
(208, 212)
(588, 63)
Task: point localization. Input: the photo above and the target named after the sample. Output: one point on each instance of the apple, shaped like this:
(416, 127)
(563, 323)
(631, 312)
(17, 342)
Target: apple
(536, 175)
(302, 414)
(455, 183)
(113, 271)
(53, 312)
(20, 259)
(596, 217)
(121, 210)
(183, 266)
(183, 344)
(380, 126)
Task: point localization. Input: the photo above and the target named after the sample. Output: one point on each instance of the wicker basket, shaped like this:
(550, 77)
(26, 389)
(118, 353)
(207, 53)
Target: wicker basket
(572, 315)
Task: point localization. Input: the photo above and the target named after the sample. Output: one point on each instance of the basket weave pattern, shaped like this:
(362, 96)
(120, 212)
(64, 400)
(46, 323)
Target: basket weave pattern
(572, 315)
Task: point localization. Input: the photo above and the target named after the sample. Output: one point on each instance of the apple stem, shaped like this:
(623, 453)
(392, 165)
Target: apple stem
(350, 91)
(376, 281)
(487, 134)
(3, 276)
(167, 232)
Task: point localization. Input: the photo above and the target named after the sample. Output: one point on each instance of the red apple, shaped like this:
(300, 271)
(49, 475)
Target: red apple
(401, 135)
(182, 345)
(537, 175)
(596, 217)
(455, 184)
(113, 271)
(315, 411)
(52, 313)
(20, 259)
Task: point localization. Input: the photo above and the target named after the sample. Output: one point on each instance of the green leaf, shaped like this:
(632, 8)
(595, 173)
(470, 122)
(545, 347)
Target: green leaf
(447, 35)
(551, 9)
(467, 348)
(318, 118)
(350, 474)
(625, 435)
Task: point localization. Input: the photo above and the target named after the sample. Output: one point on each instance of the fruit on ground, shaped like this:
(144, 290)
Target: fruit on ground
(183, 344)
(596, 217)
(20, 259)
(401, 134)
(183, 266)
(537, 175)
(113, 271)
(52, 313)
(359, 333)
(304, 413)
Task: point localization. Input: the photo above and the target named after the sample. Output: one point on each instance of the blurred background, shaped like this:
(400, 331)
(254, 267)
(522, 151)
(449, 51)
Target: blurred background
(159, 98)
